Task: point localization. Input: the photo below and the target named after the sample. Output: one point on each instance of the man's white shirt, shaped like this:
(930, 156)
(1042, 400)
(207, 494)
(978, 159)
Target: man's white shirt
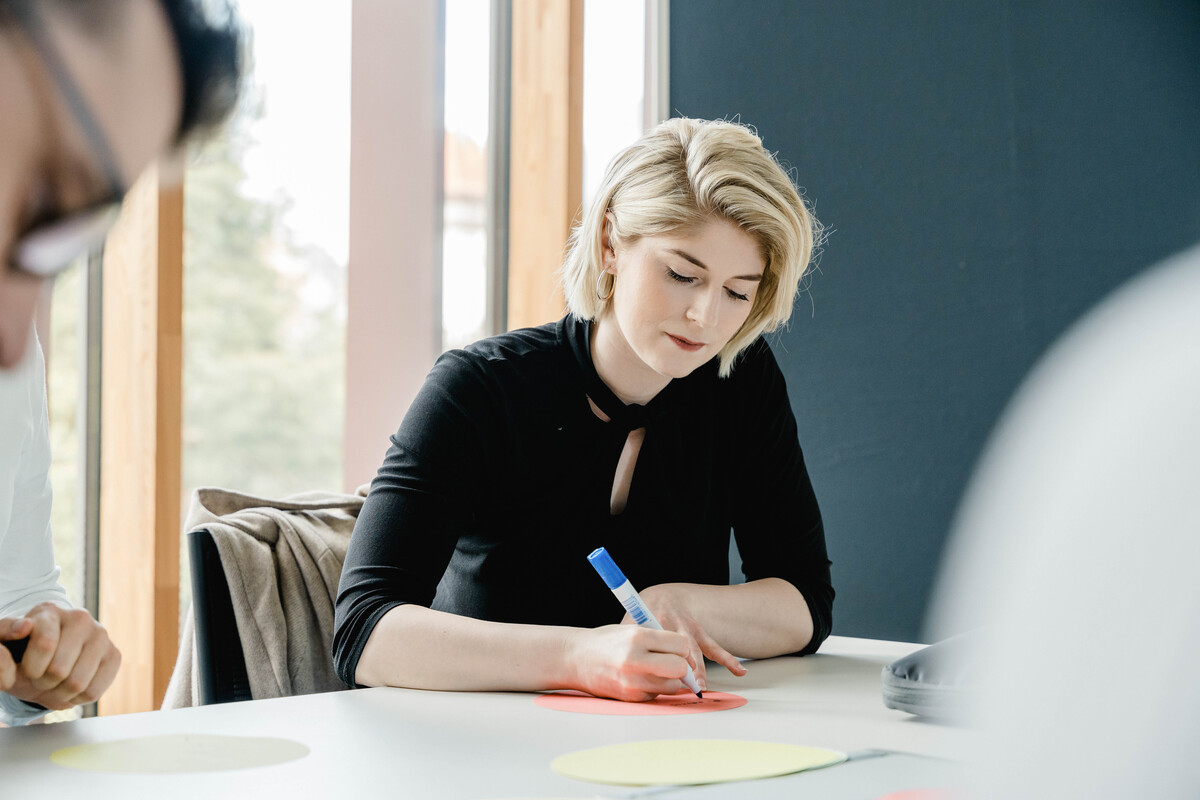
(28, 572)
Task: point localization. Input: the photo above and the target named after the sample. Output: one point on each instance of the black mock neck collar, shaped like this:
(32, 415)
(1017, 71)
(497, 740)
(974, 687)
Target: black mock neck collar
(578, 334)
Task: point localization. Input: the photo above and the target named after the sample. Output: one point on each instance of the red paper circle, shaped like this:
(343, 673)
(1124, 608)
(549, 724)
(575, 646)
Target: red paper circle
(685, 703)
(921, 794)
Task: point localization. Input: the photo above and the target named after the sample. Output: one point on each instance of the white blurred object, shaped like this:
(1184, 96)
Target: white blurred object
(1075, 555)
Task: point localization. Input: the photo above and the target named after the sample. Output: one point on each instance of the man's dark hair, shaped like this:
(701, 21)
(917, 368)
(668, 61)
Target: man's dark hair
(210, 57)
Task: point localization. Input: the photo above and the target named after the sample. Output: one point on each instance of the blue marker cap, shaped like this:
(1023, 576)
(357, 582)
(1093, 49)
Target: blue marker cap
(608, 569)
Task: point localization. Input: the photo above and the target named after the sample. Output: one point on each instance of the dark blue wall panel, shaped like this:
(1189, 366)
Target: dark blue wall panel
(989, 170)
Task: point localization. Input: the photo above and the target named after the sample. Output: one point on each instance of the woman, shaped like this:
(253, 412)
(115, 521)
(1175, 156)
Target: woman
(651, 420)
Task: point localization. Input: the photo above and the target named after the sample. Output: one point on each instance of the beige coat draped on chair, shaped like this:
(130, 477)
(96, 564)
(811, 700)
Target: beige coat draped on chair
(282, 560)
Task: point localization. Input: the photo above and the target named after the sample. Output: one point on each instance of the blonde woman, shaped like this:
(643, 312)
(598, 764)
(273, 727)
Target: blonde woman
(652, 420)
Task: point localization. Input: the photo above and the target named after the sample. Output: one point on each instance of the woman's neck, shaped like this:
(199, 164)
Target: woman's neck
(629, 378)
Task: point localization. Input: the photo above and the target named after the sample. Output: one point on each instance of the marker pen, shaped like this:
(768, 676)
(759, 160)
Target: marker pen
(17, 648)
(624, 591)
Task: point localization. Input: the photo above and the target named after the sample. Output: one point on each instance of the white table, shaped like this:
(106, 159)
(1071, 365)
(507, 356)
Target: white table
(405, 743)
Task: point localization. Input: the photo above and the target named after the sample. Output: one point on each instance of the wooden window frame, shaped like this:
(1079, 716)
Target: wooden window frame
(141, 414)
(545, 153)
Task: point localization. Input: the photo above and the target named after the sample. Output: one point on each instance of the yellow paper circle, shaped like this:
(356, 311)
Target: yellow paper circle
(185, 752)
(689, 762)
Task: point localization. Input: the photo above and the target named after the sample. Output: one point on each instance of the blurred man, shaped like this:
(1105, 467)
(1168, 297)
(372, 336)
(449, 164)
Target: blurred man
(91, 92)
(1074, 560)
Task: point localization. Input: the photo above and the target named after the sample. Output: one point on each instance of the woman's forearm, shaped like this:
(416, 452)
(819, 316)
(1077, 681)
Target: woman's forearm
(416, 647)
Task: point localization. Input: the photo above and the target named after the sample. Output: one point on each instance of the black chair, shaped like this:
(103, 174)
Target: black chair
(220, 662)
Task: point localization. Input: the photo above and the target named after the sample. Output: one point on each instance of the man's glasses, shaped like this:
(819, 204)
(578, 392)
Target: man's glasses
(50, 247)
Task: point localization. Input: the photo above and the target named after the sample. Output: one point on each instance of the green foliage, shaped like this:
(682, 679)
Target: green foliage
(62, 390)
(263, 368)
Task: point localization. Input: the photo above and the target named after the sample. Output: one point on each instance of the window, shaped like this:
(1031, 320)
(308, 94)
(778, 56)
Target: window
(63, 370)
(465, 275)
(614, 69)
(266, 240)
(66, 397)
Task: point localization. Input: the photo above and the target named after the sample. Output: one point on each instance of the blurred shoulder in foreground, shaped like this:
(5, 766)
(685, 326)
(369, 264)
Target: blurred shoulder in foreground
(1075, 555)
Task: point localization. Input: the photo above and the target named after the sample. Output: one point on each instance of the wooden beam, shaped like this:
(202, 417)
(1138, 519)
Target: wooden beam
(141, 414)
(546, 153)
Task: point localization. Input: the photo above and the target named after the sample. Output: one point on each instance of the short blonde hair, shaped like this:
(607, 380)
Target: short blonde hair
(678, 175)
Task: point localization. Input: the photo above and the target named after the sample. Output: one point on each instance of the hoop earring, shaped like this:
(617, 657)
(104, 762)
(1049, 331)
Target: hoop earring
(612, 287)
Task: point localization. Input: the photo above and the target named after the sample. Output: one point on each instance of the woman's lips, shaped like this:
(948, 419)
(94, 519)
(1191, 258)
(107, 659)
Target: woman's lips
(686, 344)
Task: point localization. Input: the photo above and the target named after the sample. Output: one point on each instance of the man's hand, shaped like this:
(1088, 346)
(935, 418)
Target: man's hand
(69, 659)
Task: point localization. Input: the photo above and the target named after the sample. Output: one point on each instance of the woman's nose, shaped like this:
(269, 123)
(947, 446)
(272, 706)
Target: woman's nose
(705, 309)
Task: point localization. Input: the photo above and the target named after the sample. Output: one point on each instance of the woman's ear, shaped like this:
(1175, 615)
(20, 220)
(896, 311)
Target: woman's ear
(608, 251)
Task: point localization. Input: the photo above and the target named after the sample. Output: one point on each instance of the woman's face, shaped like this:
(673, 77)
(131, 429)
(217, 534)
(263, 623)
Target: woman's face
(679, 298)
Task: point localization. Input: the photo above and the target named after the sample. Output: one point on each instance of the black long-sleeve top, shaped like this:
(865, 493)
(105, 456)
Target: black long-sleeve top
(497, 486)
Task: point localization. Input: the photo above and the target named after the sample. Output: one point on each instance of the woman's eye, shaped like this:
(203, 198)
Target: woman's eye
(675, 276)
(736, 296)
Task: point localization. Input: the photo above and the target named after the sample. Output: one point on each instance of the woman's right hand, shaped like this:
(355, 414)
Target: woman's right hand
(628, 662)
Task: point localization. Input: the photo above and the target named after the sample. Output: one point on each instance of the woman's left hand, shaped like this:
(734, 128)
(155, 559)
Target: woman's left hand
(669, 604)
